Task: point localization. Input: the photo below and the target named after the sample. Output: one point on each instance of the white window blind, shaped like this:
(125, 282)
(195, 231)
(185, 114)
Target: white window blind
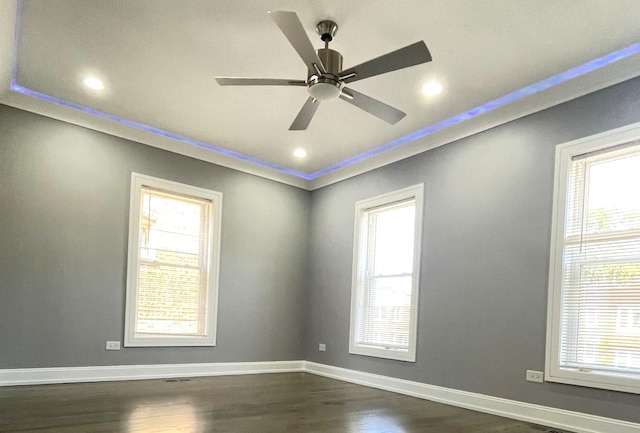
(594, 335)
(172, 276)
(385, 278)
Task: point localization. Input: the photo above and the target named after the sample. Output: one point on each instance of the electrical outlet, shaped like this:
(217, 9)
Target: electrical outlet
(112, 345)
(322, 347)
(535, 376)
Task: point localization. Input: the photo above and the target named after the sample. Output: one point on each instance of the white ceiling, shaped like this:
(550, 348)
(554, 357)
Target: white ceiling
(158, 60)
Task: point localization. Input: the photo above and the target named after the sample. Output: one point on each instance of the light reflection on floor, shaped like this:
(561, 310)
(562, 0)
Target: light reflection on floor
(374, 423)
(164, 417)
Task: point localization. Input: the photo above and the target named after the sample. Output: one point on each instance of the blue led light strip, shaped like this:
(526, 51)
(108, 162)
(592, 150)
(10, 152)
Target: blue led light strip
(474, 112)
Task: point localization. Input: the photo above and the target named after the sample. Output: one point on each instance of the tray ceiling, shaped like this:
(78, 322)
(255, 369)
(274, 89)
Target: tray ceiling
(496, 61)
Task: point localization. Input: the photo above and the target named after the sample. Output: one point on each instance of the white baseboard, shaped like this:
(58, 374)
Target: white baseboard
(557, 418)
(39, 376)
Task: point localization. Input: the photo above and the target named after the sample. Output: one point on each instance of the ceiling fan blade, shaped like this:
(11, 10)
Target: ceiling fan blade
(236, 81)
(292, 28)
(372, 106)
(305, 115)
(410, 55)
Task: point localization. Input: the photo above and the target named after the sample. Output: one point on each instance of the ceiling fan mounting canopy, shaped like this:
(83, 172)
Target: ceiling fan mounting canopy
(325, 79)
(327, 30)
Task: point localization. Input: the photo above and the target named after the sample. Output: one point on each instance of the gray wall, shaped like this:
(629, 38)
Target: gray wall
(64, 199)
(485, 258)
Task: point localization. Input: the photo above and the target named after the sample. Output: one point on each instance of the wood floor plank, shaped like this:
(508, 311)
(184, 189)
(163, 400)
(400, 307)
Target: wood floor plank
(267, 403)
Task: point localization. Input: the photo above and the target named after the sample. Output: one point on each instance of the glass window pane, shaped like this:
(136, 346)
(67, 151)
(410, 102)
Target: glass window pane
(386, 315)
(613, 202)
(170, 223)
(393, 240)
(168, 300)
(170, 297)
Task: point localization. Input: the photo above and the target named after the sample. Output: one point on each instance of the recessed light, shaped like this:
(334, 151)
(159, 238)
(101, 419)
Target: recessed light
(300, 153)
(432, 89)
(93, 83)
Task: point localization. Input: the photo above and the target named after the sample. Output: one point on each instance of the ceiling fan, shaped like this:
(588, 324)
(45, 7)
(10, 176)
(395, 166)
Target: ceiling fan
(326, 80)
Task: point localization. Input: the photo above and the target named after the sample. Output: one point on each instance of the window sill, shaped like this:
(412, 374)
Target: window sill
(164, 341)
(594, 379)
(378, 352)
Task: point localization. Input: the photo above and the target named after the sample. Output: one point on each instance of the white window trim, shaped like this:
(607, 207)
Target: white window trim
(564, 153)
(138, 181)
(413, 192)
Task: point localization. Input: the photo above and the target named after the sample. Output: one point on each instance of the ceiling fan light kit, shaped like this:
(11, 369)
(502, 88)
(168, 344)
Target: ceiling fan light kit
(325, 79)
(326, 86)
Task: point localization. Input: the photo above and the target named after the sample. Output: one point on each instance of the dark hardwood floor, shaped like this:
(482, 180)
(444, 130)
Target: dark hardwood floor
(292, 402)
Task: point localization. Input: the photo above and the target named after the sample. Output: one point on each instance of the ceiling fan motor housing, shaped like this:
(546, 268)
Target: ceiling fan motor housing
(328, 85)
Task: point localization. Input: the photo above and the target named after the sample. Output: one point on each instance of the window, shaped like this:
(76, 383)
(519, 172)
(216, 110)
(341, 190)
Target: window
(172, 278)
(384, 296)
(594, 296)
